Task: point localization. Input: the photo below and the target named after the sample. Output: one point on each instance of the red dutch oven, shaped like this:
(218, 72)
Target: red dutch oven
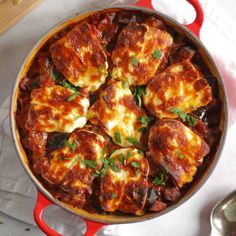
(96, 221)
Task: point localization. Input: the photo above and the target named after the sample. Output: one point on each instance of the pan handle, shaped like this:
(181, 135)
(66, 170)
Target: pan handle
(195, 27)
(42, 203)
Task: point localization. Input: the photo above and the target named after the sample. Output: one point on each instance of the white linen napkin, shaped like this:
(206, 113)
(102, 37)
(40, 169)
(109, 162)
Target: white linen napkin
(17, 193)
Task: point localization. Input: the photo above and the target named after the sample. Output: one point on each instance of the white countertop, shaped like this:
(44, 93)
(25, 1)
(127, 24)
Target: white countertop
(192, 218)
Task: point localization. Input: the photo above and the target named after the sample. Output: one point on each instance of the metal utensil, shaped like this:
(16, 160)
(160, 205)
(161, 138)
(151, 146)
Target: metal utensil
(223, 216)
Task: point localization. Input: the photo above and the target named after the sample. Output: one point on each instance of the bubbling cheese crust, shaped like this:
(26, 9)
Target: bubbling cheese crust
(177, 149)
(80, 57)
(117, 114)
(139, 51)
(50, 110)
(125, 188)
(72, 167)
(180, 86)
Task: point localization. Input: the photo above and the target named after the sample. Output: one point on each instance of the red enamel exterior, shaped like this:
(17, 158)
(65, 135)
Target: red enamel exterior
(93, 227)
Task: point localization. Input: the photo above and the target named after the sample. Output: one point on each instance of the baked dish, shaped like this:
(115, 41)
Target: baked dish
(118, 114)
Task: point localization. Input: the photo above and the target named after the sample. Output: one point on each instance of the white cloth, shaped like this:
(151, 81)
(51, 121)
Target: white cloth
(17, 193)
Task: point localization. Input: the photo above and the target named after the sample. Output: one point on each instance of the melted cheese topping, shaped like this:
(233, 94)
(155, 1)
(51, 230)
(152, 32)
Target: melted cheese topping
(80, 58)
(177, 149)
(139, 51)
(50, 111)
(125, 188)
(68, 165)
(180, 86)
(117, 113)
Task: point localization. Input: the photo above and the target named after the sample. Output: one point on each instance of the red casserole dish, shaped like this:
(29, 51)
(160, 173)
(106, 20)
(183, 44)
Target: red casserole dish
(95, 221)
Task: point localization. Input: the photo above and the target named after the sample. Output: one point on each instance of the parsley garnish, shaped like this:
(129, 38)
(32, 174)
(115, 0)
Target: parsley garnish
(137, 172)
(157, 54)
(129, 154)
(73, 96)
(140, 152)
(103, 152)
(144, 120)
(179, 154)
(103, 171)
(135, 164)
(132, 140)
(117, 137)
(159, 181)
(134, 61)
(183, 116)
(138, 93)
(89, 163)
(68, 144)
(113, 195)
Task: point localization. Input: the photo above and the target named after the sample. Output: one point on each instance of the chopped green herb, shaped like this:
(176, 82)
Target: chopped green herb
(103, 171)
(121, 159)
(132, 140)
(183, 116)
(117, 137)
(134, 61)
(140, 152)
(55, 75)
(34, 84)
(75, 145)
(159, 181)
(114, 167)
(89, 163)
(138, 172)
(112, 151)
(179, 154)
(101, 68)
(129, 154)
(68, 144)
(96, 173)
(144, 120)
(73, 96)
(27, 229)
(135, 164)
(125, 84)
(113, 195)
(1, 223)
(68, 85)
(191, 120)
(157, 54)
(138, 93)
(103, 152)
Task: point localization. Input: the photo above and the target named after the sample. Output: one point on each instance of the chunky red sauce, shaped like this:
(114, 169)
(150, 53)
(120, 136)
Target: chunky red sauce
(106, 27)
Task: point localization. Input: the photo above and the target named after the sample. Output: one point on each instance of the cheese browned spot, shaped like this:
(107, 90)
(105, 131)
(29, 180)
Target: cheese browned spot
(80, 58)
(177, 149)
(138, 53)
(50, 110)
(72, 168)
(180, 86)
(125, 188)
(117, 114)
